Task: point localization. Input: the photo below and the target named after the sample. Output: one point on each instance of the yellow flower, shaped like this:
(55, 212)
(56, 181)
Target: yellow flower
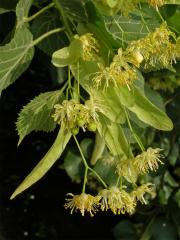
(118, 73)
(90, 46)
(156, 3)
(73, 115)
(117, 200)
(126, 169)
(104, 77)
(158, 49)
(148, 160)
(83, 202)
(138, 194)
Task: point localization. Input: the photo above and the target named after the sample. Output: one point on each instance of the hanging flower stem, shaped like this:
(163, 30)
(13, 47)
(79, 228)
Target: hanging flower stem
(133, 133)
(87, 167)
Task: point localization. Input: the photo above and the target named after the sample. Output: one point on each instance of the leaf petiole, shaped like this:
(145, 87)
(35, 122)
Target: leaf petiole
(87, 167)
(47, 34)
(28, 19)
(133, 133)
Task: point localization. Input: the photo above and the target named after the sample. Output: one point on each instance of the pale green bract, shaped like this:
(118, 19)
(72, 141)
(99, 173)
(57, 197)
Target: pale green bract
(46, 163)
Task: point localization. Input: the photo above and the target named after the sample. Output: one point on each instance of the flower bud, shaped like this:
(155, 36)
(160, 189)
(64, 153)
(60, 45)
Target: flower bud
(75, 130)
(92, 127)
(138, 57)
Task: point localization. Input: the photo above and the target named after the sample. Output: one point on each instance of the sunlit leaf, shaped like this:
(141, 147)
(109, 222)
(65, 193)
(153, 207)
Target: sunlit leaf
(15, 57)
(125, 29)
(36, 115)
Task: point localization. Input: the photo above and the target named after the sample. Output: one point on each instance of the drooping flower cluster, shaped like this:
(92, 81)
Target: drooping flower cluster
(117, 200)
(141, 164)
(118, 73)
(90, 46)
(158, 49)
(114, 199)
(139, 192)
(148, 161)
(83, 202)
(127, 169)
(73, 115)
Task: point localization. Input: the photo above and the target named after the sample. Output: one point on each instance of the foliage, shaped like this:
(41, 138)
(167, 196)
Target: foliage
(115, 55)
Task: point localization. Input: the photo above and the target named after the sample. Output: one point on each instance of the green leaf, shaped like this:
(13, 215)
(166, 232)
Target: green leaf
(109, 104)
(164, 230)
(46, 163)
(36, 115)
(73, 166)
(125, 230)
(170, 180)
(73, 9)
(86, 147)
(44, 23)
(164, 194)
(174, 22)
(125, 96)
(174, 154)
(114, 137)
(98, 149)
(126, 29)
(67, 55)
(106, 171)
(15, 57)
(154, 97)
(149, 113)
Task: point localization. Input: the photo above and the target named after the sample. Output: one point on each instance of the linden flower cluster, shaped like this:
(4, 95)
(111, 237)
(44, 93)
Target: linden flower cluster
(128, 170)
(148, 160)
(117, 200)
(157, 49)
(73, 115)
(118, 73)
(139, 192)
(90, 46)
(114, 199)
(83, 202)
(156, 3)
(141, 164)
